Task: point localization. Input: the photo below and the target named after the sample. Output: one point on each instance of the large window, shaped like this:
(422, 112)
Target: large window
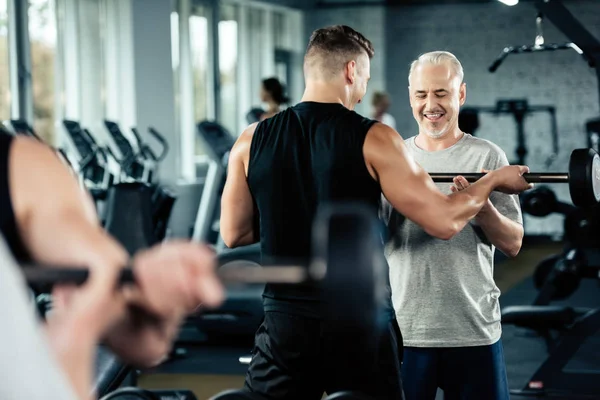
(279, 30)
(228, 59)
(200, 66)
(42, 34)
(199, 47)
(4, 64)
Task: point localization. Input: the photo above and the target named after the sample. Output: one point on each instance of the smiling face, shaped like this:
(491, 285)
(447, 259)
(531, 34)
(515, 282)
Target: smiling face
(436, 95)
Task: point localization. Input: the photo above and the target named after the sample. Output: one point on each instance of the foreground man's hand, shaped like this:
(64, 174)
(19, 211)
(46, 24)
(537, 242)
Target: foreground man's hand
(172, 279)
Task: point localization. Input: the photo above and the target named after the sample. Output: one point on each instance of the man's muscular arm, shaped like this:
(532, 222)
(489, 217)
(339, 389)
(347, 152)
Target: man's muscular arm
(412, 192)
(56, 218)
(57, 222)
(237, 205)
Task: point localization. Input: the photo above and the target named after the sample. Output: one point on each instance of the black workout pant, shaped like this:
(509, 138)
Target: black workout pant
(294, 358)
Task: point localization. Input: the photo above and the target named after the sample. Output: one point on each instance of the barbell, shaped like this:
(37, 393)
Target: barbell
(347, 267)
(583, 177)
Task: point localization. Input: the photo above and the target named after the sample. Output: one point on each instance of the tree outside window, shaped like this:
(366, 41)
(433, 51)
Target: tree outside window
(42, 36)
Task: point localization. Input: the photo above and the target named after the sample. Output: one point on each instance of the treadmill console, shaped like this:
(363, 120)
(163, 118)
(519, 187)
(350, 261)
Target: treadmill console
(21, 127)
(217, 138)
(79, 138)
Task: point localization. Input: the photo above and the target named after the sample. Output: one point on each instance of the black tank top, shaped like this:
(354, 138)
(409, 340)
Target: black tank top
(8, 223)
(305, 156)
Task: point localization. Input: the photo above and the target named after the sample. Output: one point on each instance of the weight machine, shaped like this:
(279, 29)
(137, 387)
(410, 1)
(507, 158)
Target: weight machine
(519, 109)
(582, 260)
(581, 41)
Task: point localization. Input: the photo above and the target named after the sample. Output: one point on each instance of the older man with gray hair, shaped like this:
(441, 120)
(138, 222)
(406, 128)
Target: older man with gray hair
(444, 294)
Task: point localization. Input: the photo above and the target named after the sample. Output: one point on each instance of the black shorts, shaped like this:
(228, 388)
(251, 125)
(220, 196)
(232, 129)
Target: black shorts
(295, 358)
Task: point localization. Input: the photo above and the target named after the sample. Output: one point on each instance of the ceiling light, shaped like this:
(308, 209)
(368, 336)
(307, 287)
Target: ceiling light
(509, 2)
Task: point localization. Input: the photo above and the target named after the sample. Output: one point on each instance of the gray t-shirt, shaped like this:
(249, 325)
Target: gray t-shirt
(28, 369)
(443, 292)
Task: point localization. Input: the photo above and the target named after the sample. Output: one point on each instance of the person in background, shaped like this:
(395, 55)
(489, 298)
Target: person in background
(381, 104)
(272, 93)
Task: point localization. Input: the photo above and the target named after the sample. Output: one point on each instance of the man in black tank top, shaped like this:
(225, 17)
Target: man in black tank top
(282, 170)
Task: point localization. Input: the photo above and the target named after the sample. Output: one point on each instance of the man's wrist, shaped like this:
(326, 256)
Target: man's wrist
(487, 208)
(493, 179)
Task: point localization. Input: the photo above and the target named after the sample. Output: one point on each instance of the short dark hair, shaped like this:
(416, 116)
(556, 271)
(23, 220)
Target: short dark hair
(336, 45)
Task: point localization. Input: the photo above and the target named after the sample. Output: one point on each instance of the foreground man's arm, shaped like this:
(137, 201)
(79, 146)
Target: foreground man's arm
(58, 224)
(412, 192)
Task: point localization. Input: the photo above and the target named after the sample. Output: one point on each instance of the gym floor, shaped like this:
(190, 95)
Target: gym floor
(209, 370)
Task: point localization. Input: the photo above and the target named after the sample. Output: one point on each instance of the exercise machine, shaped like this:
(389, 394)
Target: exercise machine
(139, 163)
(542, 201)
(519, 109)
(206, 227)
(218, 143)
(592, 128)
(254, 115)
(134, 162)
(558, 277)
(240, 315)
(93, 162)
(581, 41)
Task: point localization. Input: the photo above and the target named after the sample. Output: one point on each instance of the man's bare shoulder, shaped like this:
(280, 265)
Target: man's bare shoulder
(243, 142)
(30, 152)
(241, 149)
(381, 135)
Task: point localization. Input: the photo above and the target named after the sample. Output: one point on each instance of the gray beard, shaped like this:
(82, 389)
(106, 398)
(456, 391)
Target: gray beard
(436, 134)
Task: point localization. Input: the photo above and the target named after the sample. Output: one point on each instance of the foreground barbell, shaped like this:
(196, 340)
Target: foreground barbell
(583, 177)
(347, 266)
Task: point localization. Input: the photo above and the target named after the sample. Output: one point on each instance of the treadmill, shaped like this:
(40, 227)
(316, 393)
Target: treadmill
(218, 143)
(242, 311)
(133, 164)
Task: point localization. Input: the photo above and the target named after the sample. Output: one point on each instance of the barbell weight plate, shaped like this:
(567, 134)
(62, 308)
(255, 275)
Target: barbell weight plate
(543, 269)
(584, 177)
(539, 202)
(565, 282)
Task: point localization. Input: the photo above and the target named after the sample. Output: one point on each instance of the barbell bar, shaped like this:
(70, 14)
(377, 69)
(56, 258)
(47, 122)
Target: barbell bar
(236, 272)
(533, 177)
(347, 267)
(583, 177)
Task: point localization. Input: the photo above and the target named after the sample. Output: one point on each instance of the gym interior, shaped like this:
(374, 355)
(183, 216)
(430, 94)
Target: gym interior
(157, 91)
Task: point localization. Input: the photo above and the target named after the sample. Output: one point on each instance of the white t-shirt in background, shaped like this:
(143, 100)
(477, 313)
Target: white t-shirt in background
(388, 120)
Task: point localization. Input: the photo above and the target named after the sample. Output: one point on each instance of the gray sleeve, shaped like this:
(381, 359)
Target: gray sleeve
(507, 204)
(28, 369)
